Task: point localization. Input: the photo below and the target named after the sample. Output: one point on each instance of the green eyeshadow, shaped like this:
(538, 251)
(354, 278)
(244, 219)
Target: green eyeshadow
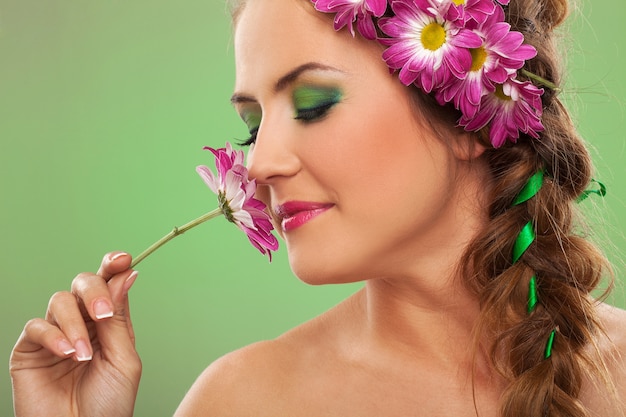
(309, 97)
(252, 120)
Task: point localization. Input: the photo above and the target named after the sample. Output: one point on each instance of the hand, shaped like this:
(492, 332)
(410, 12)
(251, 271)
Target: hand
(81, 360)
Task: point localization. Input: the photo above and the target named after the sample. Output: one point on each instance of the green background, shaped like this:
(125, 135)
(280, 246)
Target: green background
(104, 109)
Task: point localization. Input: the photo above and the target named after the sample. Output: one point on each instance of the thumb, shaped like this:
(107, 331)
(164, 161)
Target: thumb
(116, 334)
(114, 263)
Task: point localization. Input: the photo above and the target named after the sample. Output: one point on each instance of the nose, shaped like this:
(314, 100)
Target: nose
(272, 156)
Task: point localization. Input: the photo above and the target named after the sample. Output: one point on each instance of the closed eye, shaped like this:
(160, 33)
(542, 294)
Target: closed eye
(314, 113)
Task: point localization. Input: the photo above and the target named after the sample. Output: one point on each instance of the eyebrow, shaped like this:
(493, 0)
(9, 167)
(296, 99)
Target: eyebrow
(284, 81)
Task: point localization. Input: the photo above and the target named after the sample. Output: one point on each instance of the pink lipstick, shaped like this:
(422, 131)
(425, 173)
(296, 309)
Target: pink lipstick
(296, 213)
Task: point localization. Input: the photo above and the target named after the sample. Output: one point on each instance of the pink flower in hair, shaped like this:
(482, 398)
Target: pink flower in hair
(349, 11)
(498, 59)
(236, 198)
(426, 48)
(512, 108)
(466, 10)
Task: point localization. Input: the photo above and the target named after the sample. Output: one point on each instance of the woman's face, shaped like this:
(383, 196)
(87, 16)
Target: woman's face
(358, 185)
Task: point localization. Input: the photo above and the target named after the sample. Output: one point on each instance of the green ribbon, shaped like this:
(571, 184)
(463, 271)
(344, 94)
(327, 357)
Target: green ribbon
(527, 236)
(532, 294)
(549, 345)
(532, 187)
(601, 191)
(524, 239)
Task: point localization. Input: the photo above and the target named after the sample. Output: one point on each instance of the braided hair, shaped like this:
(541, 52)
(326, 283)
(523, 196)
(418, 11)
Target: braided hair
(538, 309)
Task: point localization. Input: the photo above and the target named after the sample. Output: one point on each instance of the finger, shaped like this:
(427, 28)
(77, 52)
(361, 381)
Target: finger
(113, 263)
(92, 290)
(93, 295)
(39, 333)
(65, 314)
(128, 283)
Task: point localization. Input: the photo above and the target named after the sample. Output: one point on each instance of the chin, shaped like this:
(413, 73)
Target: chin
(320, 272)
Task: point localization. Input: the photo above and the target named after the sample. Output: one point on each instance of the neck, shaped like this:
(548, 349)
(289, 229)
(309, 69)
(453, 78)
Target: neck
(427, 309)
(433, 323)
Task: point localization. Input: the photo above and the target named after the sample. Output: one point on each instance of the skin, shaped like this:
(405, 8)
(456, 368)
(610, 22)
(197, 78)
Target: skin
(50, 380)
(401, 346)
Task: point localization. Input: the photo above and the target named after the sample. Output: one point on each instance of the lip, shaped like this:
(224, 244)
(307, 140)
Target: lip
(294, 214)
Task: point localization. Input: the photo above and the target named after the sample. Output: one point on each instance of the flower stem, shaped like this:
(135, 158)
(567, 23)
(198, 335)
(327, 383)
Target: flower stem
(175, 232)
(541, 80)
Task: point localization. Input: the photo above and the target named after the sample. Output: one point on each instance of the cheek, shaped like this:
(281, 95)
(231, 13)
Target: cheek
(393, 166)
(383, 149)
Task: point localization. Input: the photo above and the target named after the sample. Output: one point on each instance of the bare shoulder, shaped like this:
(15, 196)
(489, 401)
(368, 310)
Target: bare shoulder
(613, 320)
(263, 379)
(601, 399)
(239, 382)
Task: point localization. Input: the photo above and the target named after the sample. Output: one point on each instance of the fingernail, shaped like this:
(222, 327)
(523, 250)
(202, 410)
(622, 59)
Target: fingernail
(83, 353)
(117, 256)
(130, 281)
(102, 309)
(66, 347)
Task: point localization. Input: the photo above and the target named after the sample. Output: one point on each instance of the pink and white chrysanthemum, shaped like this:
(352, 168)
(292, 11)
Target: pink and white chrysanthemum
(466, 10)
(512, 108)
(424, 46)
(236, 196)
(498, 59)
(349, 11)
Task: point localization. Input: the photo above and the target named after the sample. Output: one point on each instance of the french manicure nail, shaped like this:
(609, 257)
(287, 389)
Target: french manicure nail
(82, 351)
(117, 256)
(102, 309)
(66, 347)
(130, 281)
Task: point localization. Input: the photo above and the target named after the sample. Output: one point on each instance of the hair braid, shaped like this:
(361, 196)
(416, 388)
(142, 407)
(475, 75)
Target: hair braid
(566, 266)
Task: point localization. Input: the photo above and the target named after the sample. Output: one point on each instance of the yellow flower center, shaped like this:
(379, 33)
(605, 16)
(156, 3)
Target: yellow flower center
(500, 93)
(458, 2)
(433, 36)
(479, 56)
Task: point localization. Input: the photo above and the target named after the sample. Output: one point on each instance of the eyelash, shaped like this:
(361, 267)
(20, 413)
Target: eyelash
(314, 113)
(305, 115)
(250, 140)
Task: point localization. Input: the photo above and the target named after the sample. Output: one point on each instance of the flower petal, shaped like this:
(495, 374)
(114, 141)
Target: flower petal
(207, 176)
(237, 192)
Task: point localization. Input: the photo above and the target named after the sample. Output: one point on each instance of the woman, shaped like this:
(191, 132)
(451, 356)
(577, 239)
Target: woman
(477, 290)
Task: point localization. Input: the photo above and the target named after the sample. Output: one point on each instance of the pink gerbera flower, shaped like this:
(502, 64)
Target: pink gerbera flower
(512, 108)
(236, 198)
(424, 46)
(496, 60)
(349, 11)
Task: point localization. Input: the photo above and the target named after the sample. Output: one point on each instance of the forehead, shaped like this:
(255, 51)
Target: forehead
(273, 17)
(274, 36)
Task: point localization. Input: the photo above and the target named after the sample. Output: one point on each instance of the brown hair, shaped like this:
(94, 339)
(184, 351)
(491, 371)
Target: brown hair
(566, 265)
